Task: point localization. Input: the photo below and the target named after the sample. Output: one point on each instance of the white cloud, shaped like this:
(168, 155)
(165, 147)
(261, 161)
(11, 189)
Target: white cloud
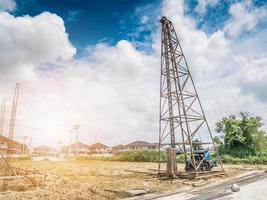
(9, 5)
(144, 19)
(203, 4)
(204, 52)
(113, 91)
(221, 81)
(244, 17)
(25, 44)
(104, 92)
(252, 76)
(108, 95)
(29, 41)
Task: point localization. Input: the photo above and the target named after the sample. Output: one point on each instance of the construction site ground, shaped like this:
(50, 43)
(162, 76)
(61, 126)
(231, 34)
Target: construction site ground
(252, 185)
(105, 180)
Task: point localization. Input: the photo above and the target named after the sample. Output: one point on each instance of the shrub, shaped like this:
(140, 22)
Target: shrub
(21, 158)
(252, 160)
(145, 155)
(180, 158)
(140, 155)
(90, 157)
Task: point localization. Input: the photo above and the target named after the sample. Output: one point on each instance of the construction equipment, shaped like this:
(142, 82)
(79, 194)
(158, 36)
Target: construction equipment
(203, 159)
(182, 118)
(14, 111)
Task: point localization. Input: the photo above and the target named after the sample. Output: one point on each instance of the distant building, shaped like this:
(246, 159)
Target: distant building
(44, 151)
(154, 145)
(141, 145)
(99, 148)
(118, 149)
(133, 146)
(79, 148)
(12, 147)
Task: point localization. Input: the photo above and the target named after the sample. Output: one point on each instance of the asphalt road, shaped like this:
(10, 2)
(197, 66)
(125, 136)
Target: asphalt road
(252, 187)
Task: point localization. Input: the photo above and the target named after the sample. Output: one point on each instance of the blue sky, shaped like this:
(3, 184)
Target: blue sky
(216, 15)
(90, 22)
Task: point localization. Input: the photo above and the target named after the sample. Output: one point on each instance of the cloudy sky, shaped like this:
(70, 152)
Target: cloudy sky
(97, 63)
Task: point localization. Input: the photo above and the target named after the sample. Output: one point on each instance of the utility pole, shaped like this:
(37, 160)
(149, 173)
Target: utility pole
(2, 118)
(59, 147)
(181, 113)
(24, 146)
(69, 149)
(14, 111)
(76, 128)
(30, 146)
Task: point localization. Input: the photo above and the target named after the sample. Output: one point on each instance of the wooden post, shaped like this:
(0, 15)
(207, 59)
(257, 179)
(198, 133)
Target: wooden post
(171, 167)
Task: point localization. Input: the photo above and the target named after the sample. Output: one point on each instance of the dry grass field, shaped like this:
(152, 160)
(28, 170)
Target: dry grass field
(98, 179)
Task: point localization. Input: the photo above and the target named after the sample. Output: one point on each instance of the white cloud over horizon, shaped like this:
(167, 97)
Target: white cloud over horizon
(8, 5)
(113, 91)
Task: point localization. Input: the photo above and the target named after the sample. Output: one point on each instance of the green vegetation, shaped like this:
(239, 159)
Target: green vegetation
(252, 160)
(180, 158)
(140, 155)
(21, 158)
(242, 141)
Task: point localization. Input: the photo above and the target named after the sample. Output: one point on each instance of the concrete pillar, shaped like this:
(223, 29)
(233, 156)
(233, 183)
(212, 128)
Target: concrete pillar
(171, 167)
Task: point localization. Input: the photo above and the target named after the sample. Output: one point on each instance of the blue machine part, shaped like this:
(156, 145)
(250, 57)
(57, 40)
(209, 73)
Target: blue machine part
(207, 154)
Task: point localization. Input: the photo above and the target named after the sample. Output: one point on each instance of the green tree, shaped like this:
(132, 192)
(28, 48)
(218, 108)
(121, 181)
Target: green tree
(242, 135)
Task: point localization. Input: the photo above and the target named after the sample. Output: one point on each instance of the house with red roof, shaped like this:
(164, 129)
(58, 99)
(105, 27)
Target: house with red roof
(77, 148)
(12, 147)
(44, 151)
(99, 148)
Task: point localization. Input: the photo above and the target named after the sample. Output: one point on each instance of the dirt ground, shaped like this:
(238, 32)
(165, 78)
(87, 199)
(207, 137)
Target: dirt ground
(99, 180)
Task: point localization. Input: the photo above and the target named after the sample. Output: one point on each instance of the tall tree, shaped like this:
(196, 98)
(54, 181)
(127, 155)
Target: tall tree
(242, 135)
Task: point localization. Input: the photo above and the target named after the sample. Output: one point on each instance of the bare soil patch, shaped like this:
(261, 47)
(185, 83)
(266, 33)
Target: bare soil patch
(100, 180)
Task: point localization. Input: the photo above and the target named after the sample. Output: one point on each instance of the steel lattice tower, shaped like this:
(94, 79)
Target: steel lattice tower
(14, 111)
(182, 119)
(2, 118)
